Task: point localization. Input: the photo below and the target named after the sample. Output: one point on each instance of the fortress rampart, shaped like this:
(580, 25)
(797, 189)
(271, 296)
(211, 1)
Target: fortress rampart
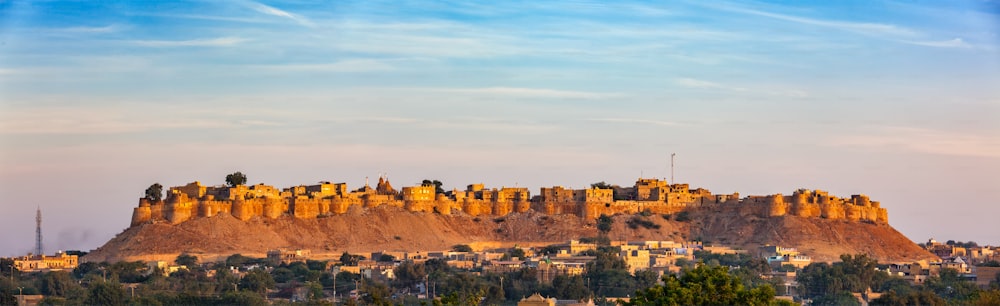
(193, 200)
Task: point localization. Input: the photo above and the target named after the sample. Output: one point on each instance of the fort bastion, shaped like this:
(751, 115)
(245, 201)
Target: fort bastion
(244, 202)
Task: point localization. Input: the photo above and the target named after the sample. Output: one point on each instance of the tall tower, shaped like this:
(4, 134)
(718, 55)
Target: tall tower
(38, 232)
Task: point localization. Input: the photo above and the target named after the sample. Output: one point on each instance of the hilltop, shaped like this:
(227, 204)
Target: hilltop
(395, 229)
(328, 218)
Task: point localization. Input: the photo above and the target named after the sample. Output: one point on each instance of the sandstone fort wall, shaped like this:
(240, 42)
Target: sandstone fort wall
(650, 195)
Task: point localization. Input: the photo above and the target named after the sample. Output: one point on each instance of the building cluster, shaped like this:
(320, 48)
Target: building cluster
(194, 200)
(966, 260)
(42, 262)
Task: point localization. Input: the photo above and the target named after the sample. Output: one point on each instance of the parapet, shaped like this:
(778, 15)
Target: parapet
(649, 195)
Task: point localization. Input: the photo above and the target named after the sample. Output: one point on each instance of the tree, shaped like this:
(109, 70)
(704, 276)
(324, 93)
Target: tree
(570, 287)
(282, 275)
(236, 179)
(922, 297)
(950, 285)
(604, 223)
(409, 274)
(386, 258)
(7, 296)
(703, 286)
(461, 248)
(154, 192)
(837, 299)
(106, 293)
(237, 260)
(601, 185)
(608, 274)
(988, 297)
(349, 260)
(516, 253)
(257, 280)
(375, 293)
(436, 183)
(852, 274)
(57, 283)
(186, 260)
(242, 298)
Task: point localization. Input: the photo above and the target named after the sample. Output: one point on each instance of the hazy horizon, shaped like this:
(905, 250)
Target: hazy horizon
(894, 99)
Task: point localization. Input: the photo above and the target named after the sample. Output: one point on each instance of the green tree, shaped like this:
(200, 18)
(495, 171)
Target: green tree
(516, 253)
(235, 179)
(852, 274)
(408, 274)
(106, 293)
(837, 299)
(283, 275)
(461, 248)
(375, 293)
(187, 260)
(570, 287)
(257, 280)
(346, 282)
(349, 260)
(242, 298)
(987, 297)
(601, 185)
(225, 281)
(703, 286)
(154, 192)
(949, 284)
(7, 296)
(237, 260)
(913, 297)
(57, 283)
(604, 223)
(436, 183)
(608, 274)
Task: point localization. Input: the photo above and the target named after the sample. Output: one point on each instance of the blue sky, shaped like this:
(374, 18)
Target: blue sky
(100, 99)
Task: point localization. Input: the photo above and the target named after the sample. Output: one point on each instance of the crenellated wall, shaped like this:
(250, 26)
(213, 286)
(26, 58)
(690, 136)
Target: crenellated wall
(659, 198)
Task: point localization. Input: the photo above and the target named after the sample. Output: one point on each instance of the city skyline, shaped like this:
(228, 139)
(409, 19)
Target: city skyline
(892, 99)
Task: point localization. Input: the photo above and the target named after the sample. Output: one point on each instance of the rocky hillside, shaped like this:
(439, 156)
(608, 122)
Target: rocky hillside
(393, 229)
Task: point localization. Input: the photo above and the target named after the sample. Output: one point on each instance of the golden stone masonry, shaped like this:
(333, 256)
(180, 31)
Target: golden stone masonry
(193, 200)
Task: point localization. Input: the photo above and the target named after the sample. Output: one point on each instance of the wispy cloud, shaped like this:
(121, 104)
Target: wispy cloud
(923, 140)
(207, 17)
(83, 29)
(351, 65)
(103, 121)
(952, 43)
(851, 26)
(504, 125)
(531, 92)
(702, 84)
(636, 121)
(213, 42)
(273, 11)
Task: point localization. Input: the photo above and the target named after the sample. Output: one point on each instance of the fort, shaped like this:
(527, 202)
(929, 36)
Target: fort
(657, 196)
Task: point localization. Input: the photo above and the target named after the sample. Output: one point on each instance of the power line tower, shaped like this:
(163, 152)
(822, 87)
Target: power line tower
(38, 232)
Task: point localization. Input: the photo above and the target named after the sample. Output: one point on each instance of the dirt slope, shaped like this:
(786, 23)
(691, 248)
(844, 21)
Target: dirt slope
(393, 229)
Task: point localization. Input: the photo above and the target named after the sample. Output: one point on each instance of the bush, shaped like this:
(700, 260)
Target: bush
(683, 216)
(604, 223)
(636, 222)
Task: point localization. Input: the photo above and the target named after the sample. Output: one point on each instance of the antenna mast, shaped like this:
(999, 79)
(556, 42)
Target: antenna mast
(38, 232)
(672, 168)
